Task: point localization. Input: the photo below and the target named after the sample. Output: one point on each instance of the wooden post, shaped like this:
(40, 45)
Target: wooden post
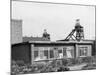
(32, 53)
(76, 51)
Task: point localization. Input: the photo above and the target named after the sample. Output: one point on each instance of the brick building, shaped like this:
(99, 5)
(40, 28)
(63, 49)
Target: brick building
(16, 31)
(41, 48)
(45, 37)
(26, 39)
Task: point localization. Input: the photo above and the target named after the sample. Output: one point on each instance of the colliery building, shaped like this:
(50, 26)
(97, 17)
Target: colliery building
(73, 46)
(40, 50)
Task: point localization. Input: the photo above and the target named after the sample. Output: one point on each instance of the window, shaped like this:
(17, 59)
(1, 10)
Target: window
(51, 54)
(68, 52)
(46, 54)
(60, 53)
(41, 54)
(55, 53)
(36, 54)
(83, 51)
(64, 52)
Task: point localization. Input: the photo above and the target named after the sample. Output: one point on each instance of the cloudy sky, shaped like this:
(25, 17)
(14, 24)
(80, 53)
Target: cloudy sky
(58, 19)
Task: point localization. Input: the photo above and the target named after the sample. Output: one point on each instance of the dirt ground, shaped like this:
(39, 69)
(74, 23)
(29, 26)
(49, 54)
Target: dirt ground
(77, 67)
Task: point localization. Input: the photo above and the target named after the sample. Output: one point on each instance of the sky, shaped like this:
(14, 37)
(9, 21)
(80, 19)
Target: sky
(58, 19)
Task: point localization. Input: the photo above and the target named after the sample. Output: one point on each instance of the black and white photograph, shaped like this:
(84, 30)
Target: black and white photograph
(52, 37)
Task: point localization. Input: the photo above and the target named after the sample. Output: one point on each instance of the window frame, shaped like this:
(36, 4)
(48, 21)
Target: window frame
(72, 50)
(84, 48)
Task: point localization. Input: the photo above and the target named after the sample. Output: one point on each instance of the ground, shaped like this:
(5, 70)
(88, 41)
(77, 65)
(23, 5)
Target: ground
(77, 67)
(87, 63)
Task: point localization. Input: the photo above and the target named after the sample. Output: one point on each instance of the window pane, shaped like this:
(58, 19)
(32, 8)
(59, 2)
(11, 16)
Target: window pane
(59, 51)
(35, 54)
(51, 54)
(46, 54)
(60, 54)
(56, 53)
(41, 54)
(83, 51)
(64, 52)
(69, 54)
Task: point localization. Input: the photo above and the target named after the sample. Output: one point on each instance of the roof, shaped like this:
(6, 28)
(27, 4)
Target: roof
(26, 39)
(61, 42)
(57, 42)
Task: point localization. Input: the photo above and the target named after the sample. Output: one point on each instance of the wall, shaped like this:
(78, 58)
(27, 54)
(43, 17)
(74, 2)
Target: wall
(21, 52)
(75, 51)
(16, 31)
(48, 47)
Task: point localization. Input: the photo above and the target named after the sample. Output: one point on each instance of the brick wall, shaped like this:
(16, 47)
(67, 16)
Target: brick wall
(16, 31)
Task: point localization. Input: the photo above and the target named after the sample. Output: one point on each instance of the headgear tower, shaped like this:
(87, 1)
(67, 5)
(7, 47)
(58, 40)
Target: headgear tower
(77, 33)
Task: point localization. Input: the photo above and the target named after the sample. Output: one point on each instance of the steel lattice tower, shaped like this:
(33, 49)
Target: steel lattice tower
(77, 33)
